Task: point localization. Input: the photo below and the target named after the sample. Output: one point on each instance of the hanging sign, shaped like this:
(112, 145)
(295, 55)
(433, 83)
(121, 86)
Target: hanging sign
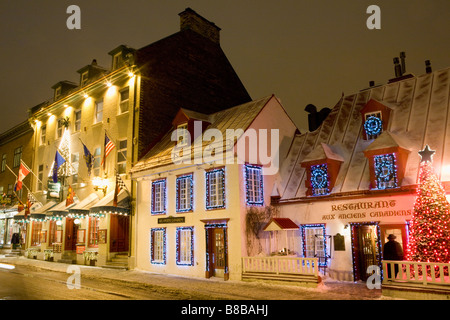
(53, 190)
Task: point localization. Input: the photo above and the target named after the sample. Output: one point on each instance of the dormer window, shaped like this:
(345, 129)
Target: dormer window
(385, 171)
(375, 119)
(57, 93)
(322, 168)
(117, 61)
(182, 134)
(387, 157)
(84, 78)
(373, 125)
(319, 180)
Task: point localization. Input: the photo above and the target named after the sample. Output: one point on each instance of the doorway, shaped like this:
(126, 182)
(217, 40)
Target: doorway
(119, 233)
(216, 253)
(366, 248)
(71, 235)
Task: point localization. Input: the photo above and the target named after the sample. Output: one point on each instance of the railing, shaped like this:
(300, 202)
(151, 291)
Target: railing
(424, 273)
(281, 265)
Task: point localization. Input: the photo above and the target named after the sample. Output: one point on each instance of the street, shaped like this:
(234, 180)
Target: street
(40, 280)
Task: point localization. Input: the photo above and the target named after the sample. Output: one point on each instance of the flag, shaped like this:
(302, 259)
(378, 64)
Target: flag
(89, 158)
(109, 145)
(59, 160)
(23, 171)
(70, 195)
(119, 186)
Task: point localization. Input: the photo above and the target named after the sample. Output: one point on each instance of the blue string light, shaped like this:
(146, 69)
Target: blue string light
(373, 126)
(257, 197)
(152, 244)
(191, 262)
(189, 192)
(385, 171)
(319, 179)
(220, 175)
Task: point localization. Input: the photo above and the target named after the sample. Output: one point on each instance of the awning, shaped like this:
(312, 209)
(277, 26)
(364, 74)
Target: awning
(276, 224)
(40, 213)
(61, 209)
(84, 205)
(106, 204)
(34, 207)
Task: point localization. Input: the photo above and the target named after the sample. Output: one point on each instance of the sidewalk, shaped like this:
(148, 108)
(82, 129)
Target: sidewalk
(214, 287)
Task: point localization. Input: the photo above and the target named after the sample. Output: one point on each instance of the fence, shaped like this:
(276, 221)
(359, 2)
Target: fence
(411, 272)
(281, 268)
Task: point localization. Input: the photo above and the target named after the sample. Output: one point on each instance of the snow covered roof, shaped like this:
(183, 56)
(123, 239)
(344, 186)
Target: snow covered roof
(238, 117)
(420, 114)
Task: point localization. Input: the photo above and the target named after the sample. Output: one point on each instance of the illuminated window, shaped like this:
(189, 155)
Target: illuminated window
(59, 128)
(185, 246)
(183, 133)
(124, 100)
(158, 245)
(43, 134)
(159, 196)
(314, 242)
(254, 185)
(77, 122)
(97, 161)
(35, 233)
(122, 156)
(215, 189)
(93, 232)
(373, 124)
(184, 193)
(385, 171)
(98, 111)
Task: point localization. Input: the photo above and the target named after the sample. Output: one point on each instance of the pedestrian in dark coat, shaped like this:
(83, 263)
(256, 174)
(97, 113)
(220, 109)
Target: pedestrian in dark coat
(392, 251)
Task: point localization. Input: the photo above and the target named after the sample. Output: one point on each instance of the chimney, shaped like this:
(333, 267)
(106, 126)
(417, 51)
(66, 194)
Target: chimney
(397, 68)
(428, 66)
(371, 83)
(403, 58)
(189, 19)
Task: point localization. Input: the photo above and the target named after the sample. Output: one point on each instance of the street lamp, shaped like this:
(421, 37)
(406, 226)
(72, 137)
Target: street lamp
(100, 184)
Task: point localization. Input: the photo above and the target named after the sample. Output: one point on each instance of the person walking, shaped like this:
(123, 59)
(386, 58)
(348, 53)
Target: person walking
(392, 251)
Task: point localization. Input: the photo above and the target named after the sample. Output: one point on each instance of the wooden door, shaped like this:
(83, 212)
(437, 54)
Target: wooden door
(119, 233)
(71, 235)
(216, 253)
(218, 258)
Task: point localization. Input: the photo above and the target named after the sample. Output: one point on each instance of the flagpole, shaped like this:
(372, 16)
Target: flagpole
(29, 191)
(28, 168)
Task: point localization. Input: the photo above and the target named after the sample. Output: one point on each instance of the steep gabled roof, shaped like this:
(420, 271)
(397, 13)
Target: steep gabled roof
(420, 116)
(238, 117)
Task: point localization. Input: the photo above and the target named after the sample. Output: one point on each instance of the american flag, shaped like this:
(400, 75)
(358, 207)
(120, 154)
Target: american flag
(109, 145)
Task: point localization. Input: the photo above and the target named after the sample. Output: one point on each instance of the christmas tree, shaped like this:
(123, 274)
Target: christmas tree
(430, 224)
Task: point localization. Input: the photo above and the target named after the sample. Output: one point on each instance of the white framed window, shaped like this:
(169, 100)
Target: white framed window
(75, 165)
(40, 176)
(215, 189)
(184, 193)
(124, 98)
(43, 135)
(59, 128)
(117, 61)
(57, 93)
(122, 156)
(182, 134)
(254, 185)
(159, 196)
(77, 122)
(185, 246)
(97, 161)
(314, 242)
(98, 117)
(373, 124)
(158, 245)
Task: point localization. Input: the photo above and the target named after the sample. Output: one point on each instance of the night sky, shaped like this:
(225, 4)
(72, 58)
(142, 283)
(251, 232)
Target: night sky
(302, 51)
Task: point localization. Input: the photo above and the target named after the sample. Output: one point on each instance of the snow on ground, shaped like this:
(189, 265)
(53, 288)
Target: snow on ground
(217, 288)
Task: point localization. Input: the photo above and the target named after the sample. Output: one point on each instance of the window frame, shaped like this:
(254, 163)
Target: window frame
(93, 228)
(158, 246)
(325, 190)
(123, 102)
(188, 179)
(219, 175)
(377, 170)
(97, 112)
(254, 186)
(43, 135)
(77, 122)
(185, 250)
(4, 157)
(159, 195)
(122, 152)
(17, 156)
(320, 227)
